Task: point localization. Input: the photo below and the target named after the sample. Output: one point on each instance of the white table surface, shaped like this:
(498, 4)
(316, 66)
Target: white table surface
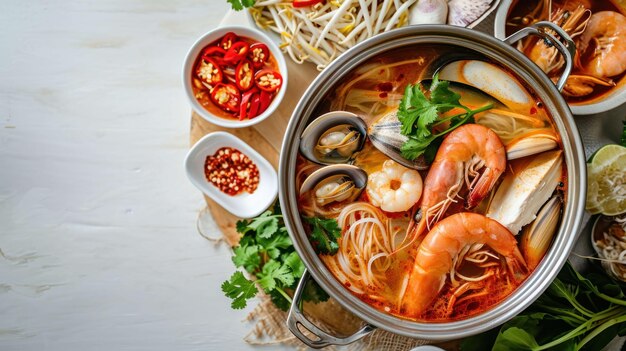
(98, 239)
(97, 218)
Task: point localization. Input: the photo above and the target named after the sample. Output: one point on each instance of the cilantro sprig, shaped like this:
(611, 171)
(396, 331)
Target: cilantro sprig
(324, 235)
(238, 5)
(421, 114)
(266, 253)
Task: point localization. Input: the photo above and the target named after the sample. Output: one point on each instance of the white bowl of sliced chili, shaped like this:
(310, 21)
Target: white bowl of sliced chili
(233, 174)
(235, 76)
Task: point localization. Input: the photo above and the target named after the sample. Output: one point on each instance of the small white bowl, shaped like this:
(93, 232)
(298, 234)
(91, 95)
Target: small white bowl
(610, 101)
(243, 205)
(214, 35)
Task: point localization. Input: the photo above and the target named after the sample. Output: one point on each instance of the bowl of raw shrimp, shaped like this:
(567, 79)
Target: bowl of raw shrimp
(597, 82)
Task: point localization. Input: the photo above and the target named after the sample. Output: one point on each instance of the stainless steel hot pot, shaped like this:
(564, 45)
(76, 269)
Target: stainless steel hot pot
(532, 76)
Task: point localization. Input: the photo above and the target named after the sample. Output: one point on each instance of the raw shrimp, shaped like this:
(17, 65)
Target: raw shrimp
(462, 154)
(603, 45)
(394, 188)
(436, 253)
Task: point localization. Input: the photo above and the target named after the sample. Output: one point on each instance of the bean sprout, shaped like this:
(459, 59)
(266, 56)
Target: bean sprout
(612, 248)
(322, 32)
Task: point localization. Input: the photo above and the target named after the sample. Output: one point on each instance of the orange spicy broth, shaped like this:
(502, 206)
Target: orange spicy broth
(202, 93)
(522, 8)
(388, 83)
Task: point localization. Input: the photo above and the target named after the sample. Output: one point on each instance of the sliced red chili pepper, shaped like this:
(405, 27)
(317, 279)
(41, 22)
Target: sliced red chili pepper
(305, 3)
(228, 40)
(255, 103)
(237, 52)
(259, 54)
(216, 53)
(209, 71)
(268, 80)
(244, 75)
(245, 102)
(265, 99)
(226, 96)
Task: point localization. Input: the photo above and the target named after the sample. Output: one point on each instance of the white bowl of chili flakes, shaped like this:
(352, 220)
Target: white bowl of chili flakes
(233, 174)
(235, 76)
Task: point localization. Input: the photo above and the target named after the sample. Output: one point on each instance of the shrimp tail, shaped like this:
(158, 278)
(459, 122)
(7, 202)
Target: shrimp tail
(483, 186)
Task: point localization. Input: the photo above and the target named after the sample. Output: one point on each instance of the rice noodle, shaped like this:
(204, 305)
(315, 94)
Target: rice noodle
(321, 32)
(612, 248)
(510, 125)
(366, 241)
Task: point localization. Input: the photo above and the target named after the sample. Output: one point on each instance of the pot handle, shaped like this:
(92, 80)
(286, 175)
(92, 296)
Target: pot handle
(568, 50)
(296, 319)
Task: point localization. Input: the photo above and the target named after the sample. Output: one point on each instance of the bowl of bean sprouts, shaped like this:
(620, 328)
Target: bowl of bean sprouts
(324, 29)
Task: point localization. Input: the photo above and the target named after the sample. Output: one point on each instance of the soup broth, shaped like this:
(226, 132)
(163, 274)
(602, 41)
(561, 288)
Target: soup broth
(599, 30)
(378, 248)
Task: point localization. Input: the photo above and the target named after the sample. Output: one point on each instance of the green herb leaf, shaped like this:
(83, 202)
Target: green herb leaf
(242, 226)
(265, 225)
(238, 5)
(247, 257)
(239, 289)
(273, 245)
(293, 261)
(441, 94)
(279, 300)
(235, 4)
(414, 147)
(274, 273)
(419, 115)
(324, 235)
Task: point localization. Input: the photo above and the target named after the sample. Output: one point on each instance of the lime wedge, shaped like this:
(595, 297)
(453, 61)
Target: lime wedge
(606, 181)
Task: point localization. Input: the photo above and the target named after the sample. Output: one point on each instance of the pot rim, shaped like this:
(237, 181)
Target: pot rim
(500, 52)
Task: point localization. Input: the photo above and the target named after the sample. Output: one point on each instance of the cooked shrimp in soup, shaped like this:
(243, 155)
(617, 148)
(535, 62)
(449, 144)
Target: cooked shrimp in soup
(429, 250)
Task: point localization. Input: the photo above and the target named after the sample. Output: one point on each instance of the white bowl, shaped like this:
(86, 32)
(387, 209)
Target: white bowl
(243, 205)
(610, 101)
(212, 36)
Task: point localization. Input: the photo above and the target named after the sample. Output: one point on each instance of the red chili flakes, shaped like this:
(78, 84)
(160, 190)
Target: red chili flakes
(385, 86)
(231, 171)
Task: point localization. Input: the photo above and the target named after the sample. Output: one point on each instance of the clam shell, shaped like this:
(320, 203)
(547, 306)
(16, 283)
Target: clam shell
(316, 129)
(386, 137)
(329, 173)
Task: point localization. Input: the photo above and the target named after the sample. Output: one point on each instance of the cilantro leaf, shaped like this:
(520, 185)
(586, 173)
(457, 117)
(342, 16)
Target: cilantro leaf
(414, 147)
(272, 246)
(279, 300)
(420, 115)
(242, 226)
(272, 274)
(239, 289)
(413, 101)
(265, 225)
(440, 94)
(247, 257)
(235, 4)
(324, 235)
(238, 5)
(293, 261)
